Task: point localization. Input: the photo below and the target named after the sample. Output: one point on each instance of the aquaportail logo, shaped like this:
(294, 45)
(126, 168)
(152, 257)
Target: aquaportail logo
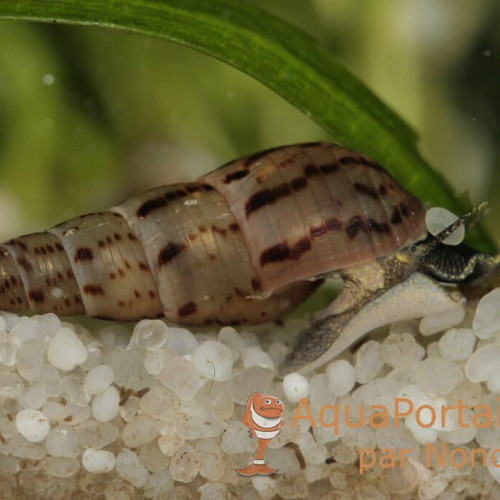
(264, 417)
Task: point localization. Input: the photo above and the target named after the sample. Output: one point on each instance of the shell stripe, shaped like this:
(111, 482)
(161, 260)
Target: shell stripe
(283, 251)
(269, 196)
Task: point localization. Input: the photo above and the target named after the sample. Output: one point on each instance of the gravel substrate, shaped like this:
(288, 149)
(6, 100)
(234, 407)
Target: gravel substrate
(99, 414)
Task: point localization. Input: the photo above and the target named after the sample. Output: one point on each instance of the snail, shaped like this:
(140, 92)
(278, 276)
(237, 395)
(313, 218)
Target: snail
(244, 244)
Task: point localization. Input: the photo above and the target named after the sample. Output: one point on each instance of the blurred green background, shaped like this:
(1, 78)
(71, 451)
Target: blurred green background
(89, 117)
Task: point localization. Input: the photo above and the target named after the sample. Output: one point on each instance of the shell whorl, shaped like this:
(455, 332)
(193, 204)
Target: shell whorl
(311, 209)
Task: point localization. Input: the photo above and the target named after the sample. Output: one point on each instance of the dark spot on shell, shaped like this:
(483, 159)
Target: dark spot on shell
(207, 187)
(150, 206)
(382, 190)
(143, 266)
(22, 245)
(121, 303)
(276, 253)
(59, 247)
(50, 248)
(187, 309)
(233, 227)
(298, 183)
(101, 243)
(168, 252)
(396, 216)
(83, 253)
(266, 197)
(212, 256)
(351, 160)
(117, 237)
(93, 289)
(37, 251)
(112, 276)
(202, 229)
(333, 224)
(193, 237)
(36, 296)
(218, 230)
(256, 286)
(131, 236)
(151, 294)
(354, 225)
(330, 168)
(348, 160)
(299, 248)
(239, 292)
(318, 230)
(404, 210)
(108, 239)
(311, 170)
(234, 176)
(25, 264)
(120, 271)
(137, 294)
(127, 264)
(282, 251)
(364, 189)
(377, 227)
(171, 196)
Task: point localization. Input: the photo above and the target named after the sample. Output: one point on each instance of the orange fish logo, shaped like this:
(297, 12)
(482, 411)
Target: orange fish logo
(264, 417)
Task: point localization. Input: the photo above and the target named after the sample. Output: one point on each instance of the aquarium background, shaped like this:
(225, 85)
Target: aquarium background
(89, 116)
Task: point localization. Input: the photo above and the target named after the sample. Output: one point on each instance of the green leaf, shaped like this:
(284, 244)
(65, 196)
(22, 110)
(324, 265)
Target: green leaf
(280, 56)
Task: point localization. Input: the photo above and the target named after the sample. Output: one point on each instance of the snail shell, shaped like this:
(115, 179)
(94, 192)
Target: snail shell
(238, 246)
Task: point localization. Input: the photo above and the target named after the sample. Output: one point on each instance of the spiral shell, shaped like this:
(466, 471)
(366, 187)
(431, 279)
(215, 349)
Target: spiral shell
(238, 246)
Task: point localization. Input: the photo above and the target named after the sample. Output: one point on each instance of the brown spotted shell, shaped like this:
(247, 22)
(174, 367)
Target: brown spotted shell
(236, 246)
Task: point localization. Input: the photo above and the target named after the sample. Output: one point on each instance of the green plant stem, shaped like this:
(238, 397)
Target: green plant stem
(280, 56)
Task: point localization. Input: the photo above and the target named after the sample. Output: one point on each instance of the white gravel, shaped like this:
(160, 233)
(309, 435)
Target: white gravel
(158, 415)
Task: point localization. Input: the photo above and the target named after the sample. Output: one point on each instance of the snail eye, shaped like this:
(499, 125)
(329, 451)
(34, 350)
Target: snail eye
(267, 401)
(278, 402)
